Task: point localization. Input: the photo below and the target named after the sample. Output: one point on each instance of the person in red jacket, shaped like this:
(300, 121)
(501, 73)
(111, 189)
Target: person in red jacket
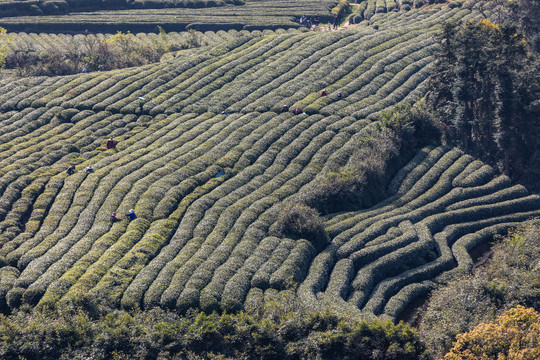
(323, 93)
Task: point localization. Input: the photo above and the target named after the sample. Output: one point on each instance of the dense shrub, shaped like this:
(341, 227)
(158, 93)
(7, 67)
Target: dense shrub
(118, 51)
(361, 182)
(302, 222)
(510, 278)
(278, 330)
(513, 335)
(413, 124)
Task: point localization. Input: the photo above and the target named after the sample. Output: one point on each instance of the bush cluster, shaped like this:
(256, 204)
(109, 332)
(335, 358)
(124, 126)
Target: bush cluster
(511, 278)
(361, 182)
(513, 335)
(302, 222)
(280, 330)
(118, 51)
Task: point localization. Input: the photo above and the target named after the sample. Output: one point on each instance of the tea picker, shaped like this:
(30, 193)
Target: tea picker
(131, 215)
(141, 103)
(111, 144)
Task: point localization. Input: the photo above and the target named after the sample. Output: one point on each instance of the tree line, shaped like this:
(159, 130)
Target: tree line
(485, 95)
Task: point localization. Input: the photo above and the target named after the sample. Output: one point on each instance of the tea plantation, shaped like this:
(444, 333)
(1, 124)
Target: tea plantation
(172, 15)
(208, 161)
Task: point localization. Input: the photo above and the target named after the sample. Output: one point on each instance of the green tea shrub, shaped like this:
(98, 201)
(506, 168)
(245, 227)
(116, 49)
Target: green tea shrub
(295, 266)
(370, 9)
(261, 278)
(455, 4)
(9, 275)
(391, 5)
(340, 280)
(371, 253)
(406, 172)
(472, 167)
(397, 303)
(210, 188)
(408, 257)
(380, 6)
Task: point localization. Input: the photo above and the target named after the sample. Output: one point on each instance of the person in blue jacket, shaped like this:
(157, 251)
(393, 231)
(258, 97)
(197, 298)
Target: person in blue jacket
(131, 215)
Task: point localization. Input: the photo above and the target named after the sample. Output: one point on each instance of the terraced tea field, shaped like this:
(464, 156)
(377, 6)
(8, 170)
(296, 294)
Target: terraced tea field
(253, 14)
(209, 162)
(56, 7)
(439, 206)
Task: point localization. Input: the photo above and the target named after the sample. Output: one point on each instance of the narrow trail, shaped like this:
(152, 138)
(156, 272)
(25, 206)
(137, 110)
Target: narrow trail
(345, 25)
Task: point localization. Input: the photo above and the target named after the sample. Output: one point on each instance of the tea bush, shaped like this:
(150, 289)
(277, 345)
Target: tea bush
(149, 15)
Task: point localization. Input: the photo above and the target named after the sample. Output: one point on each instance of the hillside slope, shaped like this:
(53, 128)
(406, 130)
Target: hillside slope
(210, 161)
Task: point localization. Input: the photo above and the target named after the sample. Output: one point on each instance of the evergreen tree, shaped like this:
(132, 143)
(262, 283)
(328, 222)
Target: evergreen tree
(483, 92)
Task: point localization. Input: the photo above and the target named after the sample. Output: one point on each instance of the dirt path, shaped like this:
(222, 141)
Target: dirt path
(345, 25)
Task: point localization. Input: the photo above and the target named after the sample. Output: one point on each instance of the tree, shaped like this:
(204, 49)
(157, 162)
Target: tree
(483, 92)
(5, 40)
(523, 13)
(514, 335)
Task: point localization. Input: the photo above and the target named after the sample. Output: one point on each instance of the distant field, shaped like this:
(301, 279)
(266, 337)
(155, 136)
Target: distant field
(254, 14)
(55, 7)
(211, 161)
